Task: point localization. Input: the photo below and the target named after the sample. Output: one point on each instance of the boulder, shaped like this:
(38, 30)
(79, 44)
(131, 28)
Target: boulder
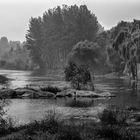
(21, 91)
(45, 94)
(83, 93)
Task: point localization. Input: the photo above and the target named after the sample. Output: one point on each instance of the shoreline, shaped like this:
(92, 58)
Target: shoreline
(51, 92)
(52, 126)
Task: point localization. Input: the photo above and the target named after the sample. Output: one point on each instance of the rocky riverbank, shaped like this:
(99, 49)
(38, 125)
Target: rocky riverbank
(50, 92)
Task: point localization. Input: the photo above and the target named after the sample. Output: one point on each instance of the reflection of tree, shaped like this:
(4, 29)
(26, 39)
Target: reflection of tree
(80, 103)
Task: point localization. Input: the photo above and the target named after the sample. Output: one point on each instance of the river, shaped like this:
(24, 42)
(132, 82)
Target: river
(27, 110)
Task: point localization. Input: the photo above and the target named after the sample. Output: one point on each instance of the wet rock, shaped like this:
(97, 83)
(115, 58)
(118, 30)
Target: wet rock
(92, 94)
(46, 94)
(83, 93)
(33, 93)
(30, 95)
(21, 91)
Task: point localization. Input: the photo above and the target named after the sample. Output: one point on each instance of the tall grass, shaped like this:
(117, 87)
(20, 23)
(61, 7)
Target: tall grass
(113, 126)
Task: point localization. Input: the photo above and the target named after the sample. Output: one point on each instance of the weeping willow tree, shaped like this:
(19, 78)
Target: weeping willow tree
(126, 44)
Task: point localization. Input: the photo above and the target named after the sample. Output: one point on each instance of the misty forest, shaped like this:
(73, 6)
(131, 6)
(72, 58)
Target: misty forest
(71, 79)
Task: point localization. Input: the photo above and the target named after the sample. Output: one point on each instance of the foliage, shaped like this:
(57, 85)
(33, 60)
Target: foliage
(3, 79)
(51, 89)
(114, 125)
(51, 127)
(114, 60)
(13, 55)
(126, 45)
(34, 41)
(86, 53)
(6, 123)
(51, 37)
(114, 116)
(77, 75)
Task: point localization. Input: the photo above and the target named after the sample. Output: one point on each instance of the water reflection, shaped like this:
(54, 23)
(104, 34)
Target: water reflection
(80, 103)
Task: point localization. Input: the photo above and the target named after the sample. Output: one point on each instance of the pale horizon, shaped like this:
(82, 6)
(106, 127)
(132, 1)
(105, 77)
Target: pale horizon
(15, 14)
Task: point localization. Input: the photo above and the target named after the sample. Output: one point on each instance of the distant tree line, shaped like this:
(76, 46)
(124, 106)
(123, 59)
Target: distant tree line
(14, 55)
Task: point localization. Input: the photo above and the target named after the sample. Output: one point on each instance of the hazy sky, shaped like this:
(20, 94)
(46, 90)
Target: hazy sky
(15, 14)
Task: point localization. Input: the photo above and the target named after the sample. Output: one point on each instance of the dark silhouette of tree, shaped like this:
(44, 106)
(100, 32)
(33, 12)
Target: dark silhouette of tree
(78, 75)
(87, 53)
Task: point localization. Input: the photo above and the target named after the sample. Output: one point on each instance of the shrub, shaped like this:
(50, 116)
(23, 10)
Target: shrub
(114, 116)
(114, 125)
(79, 76)
(51, 89)
(3, 79)
(49, 124)
(6, 124)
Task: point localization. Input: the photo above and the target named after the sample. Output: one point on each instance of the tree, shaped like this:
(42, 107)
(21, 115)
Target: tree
(87, 53)
(126, 44)
(34, 41)
(113, 60)
(79, 76)
(51, 37)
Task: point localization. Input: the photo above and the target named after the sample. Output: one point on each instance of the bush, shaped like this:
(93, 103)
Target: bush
(49, 124)
(51, 89)
(114, 125)
(79, 76)
(6, 123)
(114, 116)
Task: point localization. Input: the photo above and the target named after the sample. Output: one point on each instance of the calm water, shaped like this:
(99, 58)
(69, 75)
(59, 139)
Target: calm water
(26, 110)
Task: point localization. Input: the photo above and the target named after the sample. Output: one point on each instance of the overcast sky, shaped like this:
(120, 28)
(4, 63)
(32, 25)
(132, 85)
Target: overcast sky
(15, 14)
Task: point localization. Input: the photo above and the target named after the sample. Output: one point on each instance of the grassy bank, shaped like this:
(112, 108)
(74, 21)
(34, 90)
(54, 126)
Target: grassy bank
(113, 125)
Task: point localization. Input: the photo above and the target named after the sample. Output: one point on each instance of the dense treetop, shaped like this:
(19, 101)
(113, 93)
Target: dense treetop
(50, 38)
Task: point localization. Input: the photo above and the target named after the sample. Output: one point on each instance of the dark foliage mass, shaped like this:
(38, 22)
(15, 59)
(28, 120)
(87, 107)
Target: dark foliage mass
(86, 53)
(3, 79)
(126, 44)
(50, 38)
(51, 89)
(77, 75)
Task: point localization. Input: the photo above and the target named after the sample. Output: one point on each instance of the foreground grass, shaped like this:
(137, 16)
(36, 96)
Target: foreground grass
(112, 126)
